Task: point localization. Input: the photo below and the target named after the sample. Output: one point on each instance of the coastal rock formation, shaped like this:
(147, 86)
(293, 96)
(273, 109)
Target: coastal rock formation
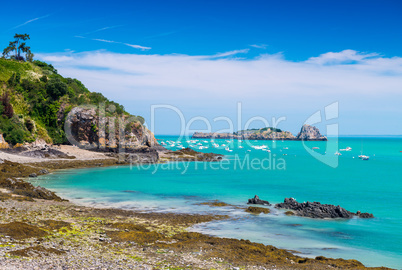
(189, 154)
(310, 133)
(140, 155)
(38, 149)
(307, 133)
(364, 215)
(48, 152)
(257, 200)
(3, 143)
(86, 129)
(318, 210)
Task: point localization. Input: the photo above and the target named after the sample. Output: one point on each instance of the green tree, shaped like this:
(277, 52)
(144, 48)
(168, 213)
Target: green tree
(19, 46)
(55, 88)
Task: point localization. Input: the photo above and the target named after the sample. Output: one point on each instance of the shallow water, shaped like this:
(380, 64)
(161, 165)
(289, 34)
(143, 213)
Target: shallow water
(369, 186)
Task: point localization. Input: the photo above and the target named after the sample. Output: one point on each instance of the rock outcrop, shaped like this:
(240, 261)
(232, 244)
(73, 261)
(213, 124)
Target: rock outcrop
(318, 210)
(38, 149)
(310, 133)
(257, 200)
(138, 155)
(86, 129)
(3, 143)
(189, 154)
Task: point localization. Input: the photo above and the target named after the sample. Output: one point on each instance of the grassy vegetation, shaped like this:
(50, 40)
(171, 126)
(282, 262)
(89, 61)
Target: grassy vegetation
(258, 130)
(41, 99)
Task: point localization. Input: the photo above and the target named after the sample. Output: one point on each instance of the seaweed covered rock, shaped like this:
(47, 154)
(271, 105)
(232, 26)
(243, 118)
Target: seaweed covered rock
(21, 230)
(23, 188)
(257, 210)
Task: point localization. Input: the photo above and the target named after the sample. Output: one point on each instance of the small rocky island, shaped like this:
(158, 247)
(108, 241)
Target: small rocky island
(307, 133)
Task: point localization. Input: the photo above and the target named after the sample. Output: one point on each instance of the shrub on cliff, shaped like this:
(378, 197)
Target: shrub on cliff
(7, 108)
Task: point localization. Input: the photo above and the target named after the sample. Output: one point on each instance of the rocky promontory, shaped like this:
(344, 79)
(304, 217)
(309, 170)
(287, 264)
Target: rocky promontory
(307, 133)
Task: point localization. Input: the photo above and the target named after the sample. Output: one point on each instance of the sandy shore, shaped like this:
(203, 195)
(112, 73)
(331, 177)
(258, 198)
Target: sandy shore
(38, 230)
(78, 153)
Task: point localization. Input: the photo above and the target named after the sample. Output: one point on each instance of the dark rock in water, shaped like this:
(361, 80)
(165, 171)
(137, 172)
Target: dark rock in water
(364, 215)
(318, 210)
(257, 200)
(33, 175)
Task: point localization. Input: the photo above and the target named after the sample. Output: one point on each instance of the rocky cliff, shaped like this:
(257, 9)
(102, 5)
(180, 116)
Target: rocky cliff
(87, 129)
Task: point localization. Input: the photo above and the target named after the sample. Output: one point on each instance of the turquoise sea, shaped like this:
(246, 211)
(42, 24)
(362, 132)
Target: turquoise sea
(373, 186)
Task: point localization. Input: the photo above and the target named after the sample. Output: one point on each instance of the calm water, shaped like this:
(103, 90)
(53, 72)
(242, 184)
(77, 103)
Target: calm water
(373, 186)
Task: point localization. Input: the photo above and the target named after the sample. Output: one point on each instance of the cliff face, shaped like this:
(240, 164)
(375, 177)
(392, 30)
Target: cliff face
(85, 128)
(310, 133)
(307, 133)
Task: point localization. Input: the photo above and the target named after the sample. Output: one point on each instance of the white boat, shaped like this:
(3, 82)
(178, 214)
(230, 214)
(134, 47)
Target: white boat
(259, 147)
(338, 154)
(346, 149)
(315, 147)
(240, 146)
(227, 149)
(364, 157)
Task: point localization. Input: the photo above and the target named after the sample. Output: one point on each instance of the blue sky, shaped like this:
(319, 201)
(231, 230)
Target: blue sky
(320, 41)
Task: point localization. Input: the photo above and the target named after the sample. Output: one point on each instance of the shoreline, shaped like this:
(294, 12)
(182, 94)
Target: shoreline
(170, 239)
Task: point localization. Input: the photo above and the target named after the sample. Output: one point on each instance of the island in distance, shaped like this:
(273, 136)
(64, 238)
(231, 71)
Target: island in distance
(307, 133)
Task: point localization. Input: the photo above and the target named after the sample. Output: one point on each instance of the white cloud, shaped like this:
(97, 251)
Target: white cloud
(343, 57)
(29, 21)
(230, 53)
(104, 40)
(101, 29)
(142, 48)
(267, 85)
(259, 46)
